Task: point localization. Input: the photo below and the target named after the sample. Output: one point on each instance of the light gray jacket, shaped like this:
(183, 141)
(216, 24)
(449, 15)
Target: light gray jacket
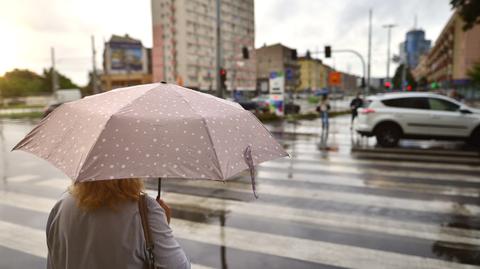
(105, 238)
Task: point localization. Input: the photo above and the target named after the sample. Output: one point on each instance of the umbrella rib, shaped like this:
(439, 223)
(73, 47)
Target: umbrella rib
(206, 129)
(77, 174)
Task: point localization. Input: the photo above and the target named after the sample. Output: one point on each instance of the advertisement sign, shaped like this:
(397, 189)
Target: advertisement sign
(277, 90)
(335, 78)
(126, 57)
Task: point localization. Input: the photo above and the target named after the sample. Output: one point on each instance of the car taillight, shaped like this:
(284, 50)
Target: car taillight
(367, 111)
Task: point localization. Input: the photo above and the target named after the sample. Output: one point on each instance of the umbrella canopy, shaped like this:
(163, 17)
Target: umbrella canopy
(153, 130)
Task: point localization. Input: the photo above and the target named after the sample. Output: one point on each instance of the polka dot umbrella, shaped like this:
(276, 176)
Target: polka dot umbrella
(154, 130)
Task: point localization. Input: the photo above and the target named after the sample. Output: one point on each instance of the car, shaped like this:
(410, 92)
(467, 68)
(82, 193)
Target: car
(417, 115)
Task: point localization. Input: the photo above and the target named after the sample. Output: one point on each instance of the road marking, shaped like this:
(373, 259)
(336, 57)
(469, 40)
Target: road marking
(444, 207)
(403, 164)
(370, 183)
(21, 178)
(305, 249)
(434, 206)
(33, 241)
(310, 217)
(373, 172)
(23, 238)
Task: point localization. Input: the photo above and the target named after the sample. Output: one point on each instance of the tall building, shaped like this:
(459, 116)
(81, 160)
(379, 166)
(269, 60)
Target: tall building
(414, 46)
(184, 43)
(126, 62)
(455, 52)
(279, 59)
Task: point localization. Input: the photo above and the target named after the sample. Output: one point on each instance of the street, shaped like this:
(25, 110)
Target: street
(346, 204)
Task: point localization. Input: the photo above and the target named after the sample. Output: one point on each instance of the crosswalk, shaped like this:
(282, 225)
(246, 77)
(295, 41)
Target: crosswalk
(362, 209)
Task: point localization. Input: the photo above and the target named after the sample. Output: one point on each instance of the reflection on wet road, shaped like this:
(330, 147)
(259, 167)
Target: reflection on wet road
(331, 205)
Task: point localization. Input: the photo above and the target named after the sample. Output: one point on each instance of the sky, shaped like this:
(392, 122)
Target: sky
(29, 28)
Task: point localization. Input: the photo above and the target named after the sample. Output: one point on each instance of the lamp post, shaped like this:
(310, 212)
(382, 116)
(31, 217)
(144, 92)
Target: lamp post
(389, 30)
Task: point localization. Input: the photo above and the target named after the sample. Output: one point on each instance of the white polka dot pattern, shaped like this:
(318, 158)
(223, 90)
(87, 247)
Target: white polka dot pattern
(153, 130)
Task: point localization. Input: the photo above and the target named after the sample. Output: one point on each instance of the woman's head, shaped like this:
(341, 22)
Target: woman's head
(91, 195)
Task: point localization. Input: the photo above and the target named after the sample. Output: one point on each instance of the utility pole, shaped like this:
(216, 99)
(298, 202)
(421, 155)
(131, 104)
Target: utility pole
(94, 68)
(389, 29)
(369, 51)
(218, 51)
(54, 72)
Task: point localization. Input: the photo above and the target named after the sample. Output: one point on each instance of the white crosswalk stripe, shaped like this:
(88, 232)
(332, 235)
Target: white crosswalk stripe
(316, 182)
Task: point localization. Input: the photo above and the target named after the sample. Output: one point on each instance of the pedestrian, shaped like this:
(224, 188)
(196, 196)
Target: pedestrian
(97, 224)
(323, 108)
(356, 103)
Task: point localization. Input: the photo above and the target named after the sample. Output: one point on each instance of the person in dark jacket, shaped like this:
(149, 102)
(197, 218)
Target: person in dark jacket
(356, 103)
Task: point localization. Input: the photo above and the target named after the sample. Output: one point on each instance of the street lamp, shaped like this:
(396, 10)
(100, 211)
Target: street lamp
(389, 29)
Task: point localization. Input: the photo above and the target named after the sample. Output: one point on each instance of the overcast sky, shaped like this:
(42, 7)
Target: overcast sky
(30, 27)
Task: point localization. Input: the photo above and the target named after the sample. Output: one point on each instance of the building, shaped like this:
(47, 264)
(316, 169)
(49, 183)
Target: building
(184, 43)
(350, 83)
(313, 74)
(421, 71)
(454, 54)
(277, 58)
(414, 46)
(126, 62)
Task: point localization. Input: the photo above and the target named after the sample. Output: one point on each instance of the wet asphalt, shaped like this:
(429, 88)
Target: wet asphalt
(357, 205)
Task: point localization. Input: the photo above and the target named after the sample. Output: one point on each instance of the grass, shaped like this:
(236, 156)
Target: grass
(26, 115)
(21, 106)
(271, 117)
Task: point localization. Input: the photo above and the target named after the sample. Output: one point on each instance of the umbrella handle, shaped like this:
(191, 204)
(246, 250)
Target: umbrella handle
(159, 187)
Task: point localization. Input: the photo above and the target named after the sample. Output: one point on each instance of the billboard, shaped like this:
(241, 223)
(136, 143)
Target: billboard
(126, 57)
(277, 90)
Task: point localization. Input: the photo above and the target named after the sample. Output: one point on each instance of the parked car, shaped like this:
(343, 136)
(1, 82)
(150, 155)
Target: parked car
(263, 102)
(391, 117)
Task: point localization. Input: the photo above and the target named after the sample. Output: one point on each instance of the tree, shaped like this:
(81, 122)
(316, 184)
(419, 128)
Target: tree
(22, 83)
(474, 73)
(397, 78)
(18, 83)
(469, 10)
(63, 81)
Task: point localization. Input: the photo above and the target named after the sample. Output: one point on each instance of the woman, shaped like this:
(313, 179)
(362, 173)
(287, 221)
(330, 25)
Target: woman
(323, 108)
(97, 225)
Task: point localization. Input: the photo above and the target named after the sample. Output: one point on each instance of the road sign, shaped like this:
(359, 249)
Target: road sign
(289, 74)
(335, 78)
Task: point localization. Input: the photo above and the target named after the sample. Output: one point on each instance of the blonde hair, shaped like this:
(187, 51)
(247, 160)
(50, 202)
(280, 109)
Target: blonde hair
(91, 195)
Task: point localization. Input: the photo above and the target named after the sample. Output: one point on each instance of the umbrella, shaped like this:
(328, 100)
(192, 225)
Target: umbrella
(155, 130)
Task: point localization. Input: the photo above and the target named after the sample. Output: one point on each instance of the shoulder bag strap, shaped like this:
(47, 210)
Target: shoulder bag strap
(142, 208)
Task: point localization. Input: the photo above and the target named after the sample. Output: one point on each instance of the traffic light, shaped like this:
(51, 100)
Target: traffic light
(246, 54)
(328, 51)
(388, 85)
(223, 78)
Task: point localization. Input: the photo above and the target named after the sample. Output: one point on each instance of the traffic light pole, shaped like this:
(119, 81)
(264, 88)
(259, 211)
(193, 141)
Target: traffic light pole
(218, 52)
(358, 55)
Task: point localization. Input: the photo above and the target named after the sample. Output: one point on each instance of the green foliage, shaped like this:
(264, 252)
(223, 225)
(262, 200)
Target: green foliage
(313, 99)
(22, 83)
(474, 73)
(397, 78)
(469, 10)
(63, 81)
(18, 83)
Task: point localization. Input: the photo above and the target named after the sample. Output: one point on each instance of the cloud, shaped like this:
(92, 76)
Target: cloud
(33, 26)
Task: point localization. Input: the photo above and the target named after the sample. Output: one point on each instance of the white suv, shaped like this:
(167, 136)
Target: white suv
(413, 115)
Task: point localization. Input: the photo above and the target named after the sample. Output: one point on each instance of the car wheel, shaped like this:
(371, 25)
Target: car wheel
(388, 135)
(475, 138)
